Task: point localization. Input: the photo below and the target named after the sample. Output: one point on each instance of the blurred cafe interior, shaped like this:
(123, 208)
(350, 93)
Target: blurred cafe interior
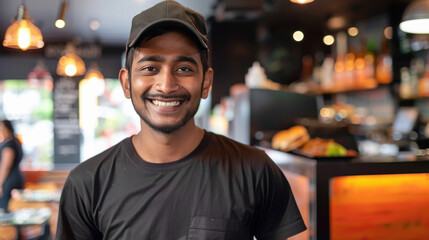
(336, 92)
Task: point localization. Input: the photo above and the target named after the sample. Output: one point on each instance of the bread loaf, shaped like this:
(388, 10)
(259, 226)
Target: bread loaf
(289, 139)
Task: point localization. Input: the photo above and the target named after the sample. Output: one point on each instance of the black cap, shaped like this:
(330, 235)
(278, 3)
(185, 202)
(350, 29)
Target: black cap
(169, 13)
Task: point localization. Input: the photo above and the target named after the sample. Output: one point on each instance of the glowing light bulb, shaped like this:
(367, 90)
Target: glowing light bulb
(353, 31)
(298, 36)
(328, 40)
(24, 35)
(60, 23)
(302, 1)
(70, 70)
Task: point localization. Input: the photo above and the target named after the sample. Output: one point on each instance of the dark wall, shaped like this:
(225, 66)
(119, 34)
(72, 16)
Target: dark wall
(234, 49)
(237, 43)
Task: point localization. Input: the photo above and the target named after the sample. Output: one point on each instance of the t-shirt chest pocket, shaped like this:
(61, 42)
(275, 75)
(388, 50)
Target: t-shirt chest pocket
(206, 228)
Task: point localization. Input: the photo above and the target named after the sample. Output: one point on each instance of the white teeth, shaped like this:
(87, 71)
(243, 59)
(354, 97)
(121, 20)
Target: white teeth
(166, 104)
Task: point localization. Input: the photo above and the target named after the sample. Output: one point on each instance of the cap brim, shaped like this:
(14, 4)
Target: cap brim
(169, 22)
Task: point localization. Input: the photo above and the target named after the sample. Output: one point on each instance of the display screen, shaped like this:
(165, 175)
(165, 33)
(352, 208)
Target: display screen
(405, 119)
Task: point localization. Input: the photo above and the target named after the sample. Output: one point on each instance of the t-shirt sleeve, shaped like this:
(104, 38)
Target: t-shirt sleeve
(278, 214)
(75, 220)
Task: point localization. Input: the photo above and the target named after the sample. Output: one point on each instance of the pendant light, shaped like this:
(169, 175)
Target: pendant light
(60, 22)
(95, 79)
(40, 77)
(71, 64)
(94, 73)
(23, 34)
(416, 18)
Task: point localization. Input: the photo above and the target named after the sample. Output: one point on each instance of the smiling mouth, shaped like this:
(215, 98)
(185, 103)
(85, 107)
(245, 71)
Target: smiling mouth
(166, 101)
(160, 103)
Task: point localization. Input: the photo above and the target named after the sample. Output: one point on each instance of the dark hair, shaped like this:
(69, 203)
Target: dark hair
(8, 125)
(204, 53)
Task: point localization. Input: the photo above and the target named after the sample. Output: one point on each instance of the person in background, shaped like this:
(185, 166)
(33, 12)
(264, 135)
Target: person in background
(174, 180)
(11, 155)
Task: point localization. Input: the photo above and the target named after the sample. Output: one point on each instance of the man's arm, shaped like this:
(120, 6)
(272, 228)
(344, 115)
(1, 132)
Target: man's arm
(75, 220)
(279, 216)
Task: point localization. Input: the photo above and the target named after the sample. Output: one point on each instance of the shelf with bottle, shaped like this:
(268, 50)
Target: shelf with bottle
(355, 64)
(363, 66)
(351, 72)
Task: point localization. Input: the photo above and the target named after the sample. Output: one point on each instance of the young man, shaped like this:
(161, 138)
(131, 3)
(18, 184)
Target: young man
(174, 180)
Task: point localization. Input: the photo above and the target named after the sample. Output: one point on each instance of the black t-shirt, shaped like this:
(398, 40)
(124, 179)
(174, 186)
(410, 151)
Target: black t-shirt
(17, 149)
(222, 190)
(14, 179)
(15, 173)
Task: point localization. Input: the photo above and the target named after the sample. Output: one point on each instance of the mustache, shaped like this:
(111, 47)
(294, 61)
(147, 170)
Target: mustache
(184, 97)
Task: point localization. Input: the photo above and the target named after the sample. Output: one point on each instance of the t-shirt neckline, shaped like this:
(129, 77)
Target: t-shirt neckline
(136, 159)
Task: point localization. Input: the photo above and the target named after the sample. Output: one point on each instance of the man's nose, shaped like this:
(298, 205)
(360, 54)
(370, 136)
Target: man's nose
(167, 82)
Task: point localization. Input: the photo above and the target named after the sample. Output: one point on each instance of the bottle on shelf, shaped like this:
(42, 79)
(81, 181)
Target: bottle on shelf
(415, 68)
(424, 81)
(383, 70)
(349, 74)
(327, 74)
(360, 75)
(339, 72)
(405, 86)
(364, 67)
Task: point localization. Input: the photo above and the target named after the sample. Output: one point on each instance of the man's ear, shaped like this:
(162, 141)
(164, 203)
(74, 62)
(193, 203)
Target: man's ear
(207, 84)
(125, 82)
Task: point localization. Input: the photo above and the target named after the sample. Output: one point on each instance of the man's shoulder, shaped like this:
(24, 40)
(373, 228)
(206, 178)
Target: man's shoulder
(237, 151)
(231, 143)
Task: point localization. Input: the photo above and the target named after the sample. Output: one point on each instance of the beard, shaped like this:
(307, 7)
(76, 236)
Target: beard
(167, 128)
(170, 128)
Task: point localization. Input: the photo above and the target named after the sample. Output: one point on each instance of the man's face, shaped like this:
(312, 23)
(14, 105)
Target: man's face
(166, 81)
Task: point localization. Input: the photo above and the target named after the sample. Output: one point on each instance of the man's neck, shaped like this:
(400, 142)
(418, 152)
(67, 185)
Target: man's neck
(157, 147)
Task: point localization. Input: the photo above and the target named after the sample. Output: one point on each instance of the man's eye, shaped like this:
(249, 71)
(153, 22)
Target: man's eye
(150, 69)
(184, 69)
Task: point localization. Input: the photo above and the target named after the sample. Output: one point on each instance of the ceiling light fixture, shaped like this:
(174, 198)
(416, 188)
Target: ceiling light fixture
(302, 1)
(71, 64)
(40, 76)
(416, 18)
(23, 34)
(60, 22)
(94, 73)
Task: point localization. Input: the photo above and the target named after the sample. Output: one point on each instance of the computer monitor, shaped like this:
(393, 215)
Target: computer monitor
(405, 122)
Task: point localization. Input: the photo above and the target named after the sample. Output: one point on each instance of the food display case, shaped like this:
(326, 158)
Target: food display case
(259, 113)
(360, 198)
